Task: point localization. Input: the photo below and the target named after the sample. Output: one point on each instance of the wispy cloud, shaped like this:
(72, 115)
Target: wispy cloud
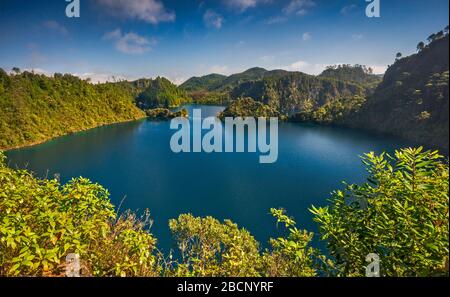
(306, 36)
(298, 7)
(150, 11)
(267, 59)
(348, 8)
(306, 67)
(95, 77)
(130, 43)
(295, 7)
(357, 36)
(219, 69)
(55, 27)
(243, 5)
(276, 20)
(213, 19)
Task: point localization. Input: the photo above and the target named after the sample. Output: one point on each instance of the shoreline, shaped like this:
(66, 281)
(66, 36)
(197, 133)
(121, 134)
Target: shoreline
(36, 143)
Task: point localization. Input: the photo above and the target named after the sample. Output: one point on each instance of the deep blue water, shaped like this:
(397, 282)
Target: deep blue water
(134, 160)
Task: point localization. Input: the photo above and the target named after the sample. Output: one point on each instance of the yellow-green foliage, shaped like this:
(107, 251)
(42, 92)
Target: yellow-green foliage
(332, 111)
(210, 248)
(41, 222)
(401, 214)
(35, 108)
(247, 107)
(292, 256)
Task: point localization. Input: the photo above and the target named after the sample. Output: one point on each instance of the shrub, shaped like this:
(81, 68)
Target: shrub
(210, 248)
(401, 214)
(41, 222)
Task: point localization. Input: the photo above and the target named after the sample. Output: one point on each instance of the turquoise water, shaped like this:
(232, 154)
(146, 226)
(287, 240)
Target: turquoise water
(134, 160)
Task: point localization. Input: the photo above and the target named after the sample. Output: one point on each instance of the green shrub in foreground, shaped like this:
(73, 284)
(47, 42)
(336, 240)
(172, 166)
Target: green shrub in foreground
(401, 214)
(41, 222)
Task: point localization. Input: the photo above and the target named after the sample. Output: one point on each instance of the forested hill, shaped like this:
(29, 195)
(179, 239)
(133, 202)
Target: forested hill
(360, 74)
(205, 83)
(35, 108)
(160, 92)
(297, 92)
(291, 92)
(413, 99)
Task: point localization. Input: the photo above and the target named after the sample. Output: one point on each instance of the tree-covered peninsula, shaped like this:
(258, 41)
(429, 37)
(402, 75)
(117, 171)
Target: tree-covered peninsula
(35, 108)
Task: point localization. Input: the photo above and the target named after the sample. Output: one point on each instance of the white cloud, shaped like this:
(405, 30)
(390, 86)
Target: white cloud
(348, 8)
(94, 77)
(177, 80)
(316, 69)
(379, 69)
(267, 59)
(213, 19)
(219, 69)
(276, 20)
(150, 11)
(357, 36)
(101, 77)
(129, 43)
(298, 7)
(38, 71)
(295, 7)
(305, 67)
(306, 36)
(243, 5)
(56, 27)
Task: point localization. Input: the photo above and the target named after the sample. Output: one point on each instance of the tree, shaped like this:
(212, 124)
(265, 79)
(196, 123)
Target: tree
(439, 35)
(211, 248)
(420, 46)
(16, 70)
(401, 214)
(431, 38)
(398, 56)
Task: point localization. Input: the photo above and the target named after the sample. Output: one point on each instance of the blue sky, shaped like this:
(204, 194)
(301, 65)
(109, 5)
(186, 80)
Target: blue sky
(183, 38)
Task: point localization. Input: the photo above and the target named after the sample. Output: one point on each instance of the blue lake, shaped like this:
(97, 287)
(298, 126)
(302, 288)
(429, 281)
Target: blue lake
(134, 160)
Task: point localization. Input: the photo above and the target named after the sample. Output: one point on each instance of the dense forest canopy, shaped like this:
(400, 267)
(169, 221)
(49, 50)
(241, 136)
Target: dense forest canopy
(36, 108)
(353, 73)
(160, 92)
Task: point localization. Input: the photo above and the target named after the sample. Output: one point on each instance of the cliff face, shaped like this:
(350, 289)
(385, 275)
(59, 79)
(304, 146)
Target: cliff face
(296, 92)
(412, 101)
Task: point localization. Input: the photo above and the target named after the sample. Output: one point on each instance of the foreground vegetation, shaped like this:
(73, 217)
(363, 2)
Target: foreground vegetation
(401, 214)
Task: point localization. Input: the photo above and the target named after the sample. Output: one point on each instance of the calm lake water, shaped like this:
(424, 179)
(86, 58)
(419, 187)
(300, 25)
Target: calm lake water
(134, 160)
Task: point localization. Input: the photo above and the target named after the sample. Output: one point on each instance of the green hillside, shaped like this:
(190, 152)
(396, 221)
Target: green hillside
(160, 92)
(413, 100)
(297, 92)
(205, 83)
(283, 89)
(35, 108)
(353, 73)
